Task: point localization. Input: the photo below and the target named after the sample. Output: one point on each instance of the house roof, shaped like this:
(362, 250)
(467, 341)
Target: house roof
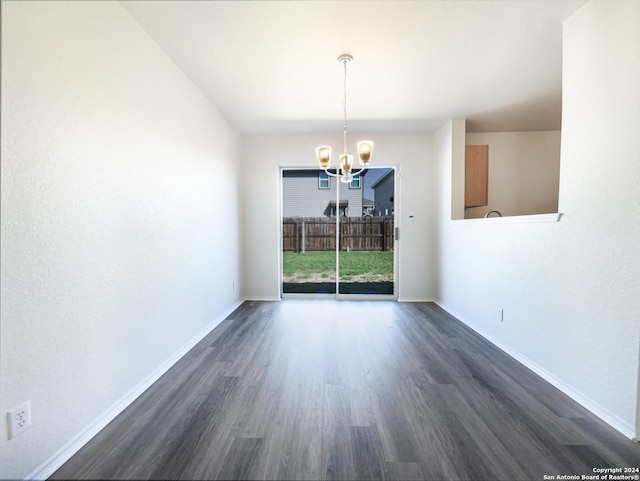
(383, 178)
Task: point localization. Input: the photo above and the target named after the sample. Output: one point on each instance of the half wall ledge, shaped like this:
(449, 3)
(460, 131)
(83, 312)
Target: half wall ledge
(515, 219)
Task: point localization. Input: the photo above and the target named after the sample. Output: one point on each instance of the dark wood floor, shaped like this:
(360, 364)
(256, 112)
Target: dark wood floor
(305, 389)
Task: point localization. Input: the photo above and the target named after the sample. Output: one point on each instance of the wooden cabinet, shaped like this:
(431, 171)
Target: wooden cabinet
(476, 175)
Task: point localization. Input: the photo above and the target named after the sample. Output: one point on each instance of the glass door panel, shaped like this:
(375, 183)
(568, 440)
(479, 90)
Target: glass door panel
(309, 214)
(366, 239)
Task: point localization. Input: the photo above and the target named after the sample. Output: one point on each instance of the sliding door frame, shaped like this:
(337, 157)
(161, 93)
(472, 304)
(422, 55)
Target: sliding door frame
(336, 294)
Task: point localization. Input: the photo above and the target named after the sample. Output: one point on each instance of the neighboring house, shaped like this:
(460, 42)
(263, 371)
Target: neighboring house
(368, 207)
(312, 193)
(383, 194)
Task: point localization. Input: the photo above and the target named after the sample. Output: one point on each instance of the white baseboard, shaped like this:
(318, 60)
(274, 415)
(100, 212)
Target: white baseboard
(595, 408)
(416, 299)
(52, 464)
(262, 298)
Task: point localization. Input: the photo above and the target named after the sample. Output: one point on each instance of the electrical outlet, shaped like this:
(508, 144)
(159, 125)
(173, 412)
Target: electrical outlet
(19, 419)
(500, 314)
(234, 285)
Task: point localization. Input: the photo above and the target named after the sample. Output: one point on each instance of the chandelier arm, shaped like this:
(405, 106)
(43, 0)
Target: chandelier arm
(331, 174)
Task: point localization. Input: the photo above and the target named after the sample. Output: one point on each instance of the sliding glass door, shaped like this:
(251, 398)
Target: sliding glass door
(338, 238)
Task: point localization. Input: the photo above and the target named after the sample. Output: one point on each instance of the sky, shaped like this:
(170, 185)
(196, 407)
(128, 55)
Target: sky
(370, 178)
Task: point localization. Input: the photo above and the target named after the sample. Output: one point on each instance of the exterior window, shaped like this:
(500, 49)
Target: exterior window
(324, 182)
(355, 183)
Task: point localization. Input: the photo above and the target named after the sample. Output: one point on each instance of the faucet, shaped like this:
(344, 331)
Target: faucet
(486, 216)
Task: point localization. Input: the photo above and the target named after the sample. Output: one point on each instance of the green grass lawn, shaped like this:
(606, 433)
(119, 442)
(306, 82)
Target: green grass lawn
(320, 266)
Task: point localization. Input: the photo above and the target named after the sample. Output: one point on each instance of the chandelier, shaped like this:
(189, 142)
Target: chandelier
(365, 147)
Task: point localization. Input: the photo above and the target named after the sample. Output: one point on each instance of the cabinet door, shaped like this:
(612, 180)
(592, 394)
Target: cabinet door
(476, 175)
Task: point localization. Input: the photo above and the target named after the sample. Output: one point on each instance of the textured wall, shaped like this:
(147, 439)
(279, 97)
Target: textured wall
(120, 222)
(569, 289)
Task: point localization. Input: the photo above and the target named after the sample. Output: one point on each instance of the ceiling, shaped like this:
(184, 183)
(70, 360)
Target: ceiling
(271, 66)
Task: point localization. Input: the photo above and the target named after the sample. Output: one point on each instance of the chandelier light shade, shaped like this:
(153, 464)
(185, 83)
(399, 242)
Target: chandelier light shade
(324, 156)
(365, 147)
(346, 163)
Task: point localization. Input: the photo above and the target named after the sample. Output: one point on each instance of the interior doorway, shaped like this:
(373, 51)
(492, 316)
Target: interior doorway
(337, 238)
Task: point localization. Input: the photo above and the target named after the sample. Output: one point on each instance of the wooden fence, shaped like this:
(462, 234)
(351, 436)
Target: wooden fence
(300, 234)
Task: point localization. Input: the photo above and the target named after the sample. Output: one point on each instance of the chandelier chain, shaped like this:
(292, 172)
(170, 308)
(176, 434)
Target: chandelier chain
(345, 62)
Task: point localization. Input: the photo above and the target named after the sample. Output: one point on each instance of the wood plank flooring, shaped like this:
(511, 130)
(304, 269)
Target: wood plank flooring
(317, 389)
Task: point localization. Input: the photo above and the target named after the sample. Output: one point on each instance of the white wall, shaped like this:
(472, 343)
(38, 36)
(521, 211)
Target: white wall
(263, 155)
(524, 170)
(120, 222)
(569, 289)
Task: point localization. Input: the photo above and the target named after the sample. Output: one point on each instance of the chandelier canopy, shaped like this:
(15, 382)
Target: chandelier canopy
(365, 147)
